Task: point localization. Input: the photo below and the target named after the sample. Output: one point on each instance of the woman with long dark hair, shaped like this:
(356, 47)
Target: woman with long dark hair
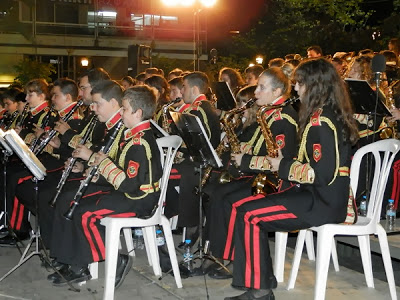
(321, 173)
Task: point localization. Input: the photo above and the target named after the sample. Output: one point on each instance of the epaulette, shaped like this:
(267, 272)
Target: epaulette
(137, 139)
(277, 115)
(195, 105)
(315, 119)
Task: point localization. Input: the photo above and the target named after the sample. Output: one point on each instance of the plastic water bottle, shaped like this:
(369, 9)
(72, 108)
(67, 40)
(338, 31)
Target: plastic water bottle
(139, 239)
(188, 256)
(363, 207)
(160, 238)
(390, 215)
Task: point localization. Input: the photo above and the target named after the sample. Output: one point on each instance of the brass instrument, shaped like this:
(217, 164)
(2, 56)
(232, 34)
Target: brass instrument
(261, 184)
(229, 124)
(391, 131)
(164, 115)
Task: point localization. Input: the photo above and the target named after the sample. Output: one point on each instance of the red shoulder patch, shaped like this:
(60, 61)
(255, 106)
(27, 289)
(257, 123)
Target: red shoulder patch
(277, 115)
(280, 140)
(317, 152)
(137, 138)
(315, 118)
(133, 168)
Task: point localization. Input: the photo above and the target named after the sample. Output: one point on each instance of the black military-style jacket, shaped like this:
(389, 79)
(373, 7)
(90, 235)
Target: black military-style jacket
(136, 168)
(204, 109)
(283, 125)
(322, 167)
(9, 120)
(35, 116)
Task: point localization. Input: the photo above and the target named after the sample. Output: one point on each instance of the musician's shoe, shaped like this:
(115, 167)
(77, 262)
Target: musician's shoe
(3, 232)
(124, 265)
(63, 270)
(177, 231)
(205, 268)
(73, 277)
(221, 273)
(253, 294)
(10, 241)
(51, 265)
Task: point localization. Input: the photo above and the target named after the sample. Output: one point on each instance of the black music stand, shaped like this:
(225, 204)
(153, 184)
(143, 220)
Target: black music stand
(7, 152)
(200, 149)
(158, 131)
(39, 172)
(225, 98)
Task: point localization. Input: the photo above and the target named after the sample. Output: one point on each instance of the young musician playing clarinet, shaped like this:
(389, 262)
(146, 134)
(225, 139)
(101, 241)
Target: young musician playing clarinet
(321, 173)
(134, 171)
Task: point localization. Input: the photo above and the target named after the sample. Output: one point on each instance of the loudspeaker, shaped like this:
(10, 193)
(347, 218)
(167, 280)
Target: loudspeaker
(139, 59)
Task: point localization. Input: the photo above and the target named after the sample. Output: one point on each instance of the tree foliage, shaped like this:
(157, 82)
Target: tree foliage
(30, 69)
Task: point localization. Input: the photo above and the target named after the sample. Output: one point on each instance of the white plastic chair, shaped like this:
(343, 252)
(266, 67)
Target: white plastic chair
(364, 227)
(114, 226)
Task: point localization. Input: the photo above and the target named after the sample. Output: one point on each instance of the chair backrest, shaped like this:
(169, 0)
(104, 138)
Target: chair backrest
(383, 153)
(168, 147)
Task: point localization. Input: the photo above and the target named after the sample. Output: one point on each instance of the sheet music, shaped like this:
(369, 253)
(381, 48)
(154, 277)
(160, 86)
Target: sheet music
(25, 154)
(4, 145)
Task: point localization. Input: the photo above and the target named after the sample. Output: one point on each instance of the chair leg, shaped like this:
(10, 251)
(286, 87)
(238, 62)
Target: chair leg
(365, 251)
(148, 253)
(324, 248)
(387, 262)
(94, 270)
(334, 256)
(183, 234)
(310, 245)
(149, 234)
(171, 251)
(112, 240)
(280, 251)
(129, 241)
(296, 258)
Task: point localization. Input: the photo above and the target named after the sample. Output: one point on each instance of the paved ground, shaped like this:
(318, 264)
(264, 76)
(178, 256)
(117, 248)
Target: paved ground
(29, 282)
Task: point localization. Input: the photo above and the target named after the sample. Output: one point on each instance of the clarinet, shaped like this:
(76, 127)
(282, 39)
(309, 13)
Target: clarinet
(13, 117)
(45, 123)
(71, 163)
(43, 143)
(24, 114)
(93, 172)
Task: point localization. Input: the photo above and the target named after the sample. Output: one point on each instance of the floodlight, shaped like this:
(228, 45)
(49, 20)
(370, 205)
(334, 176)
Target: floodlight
(84, 62)
(208, 3)
(259, 60)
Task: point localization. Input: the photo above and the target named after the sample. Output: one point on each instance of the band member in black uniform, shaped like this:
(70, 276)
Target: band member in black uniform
(194, 86)
(11, 104)
(134, 172)
(273, 89)
(321, 171)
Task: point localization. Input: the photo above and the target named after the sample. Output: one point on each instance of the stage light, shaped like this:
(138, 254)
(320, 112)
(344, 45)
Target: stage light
(251, 65)
(208, 3)
(171, 2)
(84, 62)
(259, 60)
(187, 2)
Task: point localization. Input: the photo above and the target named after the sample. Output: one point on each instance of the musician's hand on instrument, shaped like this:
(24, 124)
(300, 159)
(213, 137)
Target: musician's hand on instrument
(237, 158)
(275, 161)
(82, 152)
(395, 115)
(18, 129)
(38, 131)
(55, 142)
(61, 126)
(99, 157)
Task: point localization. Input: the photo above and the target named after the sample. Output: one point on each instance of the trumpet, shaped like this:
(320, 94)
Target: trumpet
(68, 169)
(93, 172)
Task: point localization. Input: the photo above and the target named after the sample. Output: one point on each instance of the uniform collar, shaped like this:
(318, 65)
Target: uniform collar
(66, 109)
(144, 125)
(183, 107)
(113, 120)
(277, 101)
(3, 111)
(199, 98)
(39, 108)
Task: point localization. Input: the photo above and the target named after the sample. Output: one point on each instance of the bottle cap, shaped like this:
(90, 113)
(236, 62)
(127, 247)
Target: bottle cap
(391, 200)
(188, 241)
(158, 231)
(364, 197)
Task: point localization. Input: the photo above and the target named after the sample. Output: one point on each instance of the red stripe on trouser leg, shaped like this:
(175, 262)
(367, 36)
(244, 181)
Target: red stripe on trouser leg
(18, 208)
(86, 232)
(231, 225)
(20, 216)
(14, 213)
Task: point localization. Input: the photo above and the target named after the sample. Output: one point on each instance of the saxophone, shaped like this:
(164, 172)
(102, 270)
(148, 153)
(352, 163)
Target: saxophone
(262, 184)
(391, 131)
(164, 114)
(229, 124)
